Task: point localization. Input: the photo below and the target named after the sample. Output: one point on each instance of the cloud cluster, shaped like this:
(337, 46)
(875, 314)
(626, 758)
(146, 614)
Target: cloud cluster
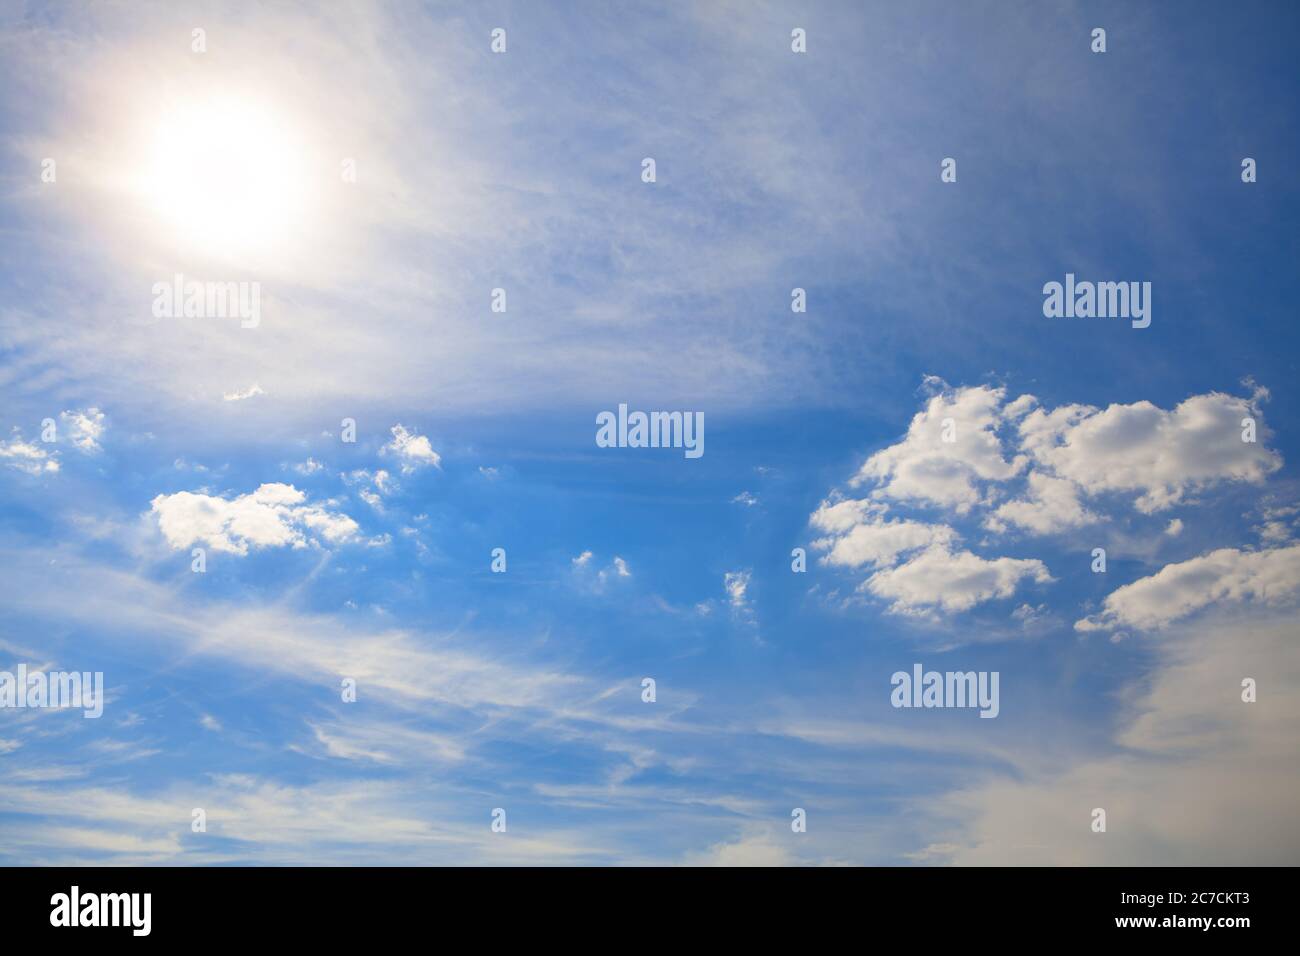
(26, 456)
(374, 485)
(974, 455)
(1160, 456)
(916, 565)
(83, 428)
(596, 578)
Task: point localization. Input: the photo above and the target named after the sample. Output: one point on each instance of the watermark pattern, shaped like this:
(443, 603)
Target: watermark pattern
(60, 690)
(1099, 300)
(651, 430)
(368, 547)
(179, 299)
(74, 908)
(922, 688)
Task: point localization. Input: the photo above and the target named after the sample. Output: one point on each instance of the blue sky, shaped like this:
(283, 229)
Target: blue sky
(475, 430)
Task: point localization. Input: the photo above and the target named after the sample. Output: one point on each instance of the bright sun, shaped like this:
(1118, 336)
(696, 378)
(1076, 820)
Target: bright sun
(227, 175)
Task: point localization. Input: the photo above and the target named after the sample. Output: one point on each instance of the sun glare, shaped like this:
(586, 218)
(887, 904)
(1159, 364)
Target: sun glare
(226, 175)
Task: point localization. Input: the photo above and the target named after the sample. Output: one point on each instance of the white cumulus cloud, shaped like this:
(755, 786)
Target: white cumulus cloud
(861, 535)
(973, 455)
(1051, 505)
(1225, 576)
(413, 450)
(275, 515)
(927, 468)
(1139, 448)
(939, 579)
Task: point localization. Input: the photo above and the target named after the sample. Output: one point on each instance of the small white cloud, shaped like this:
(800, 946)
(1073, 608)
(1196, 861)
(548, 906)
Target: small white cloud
(208, 722)
(586, 574)
(736, 584)
(414, 450)
(1274, 532)
(1174, 528)
(745, 498)
(491, 474)
(84, 428)
(308, 467)
(380, 483)
(1028, 613)
(239, 396)
(28, 457)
